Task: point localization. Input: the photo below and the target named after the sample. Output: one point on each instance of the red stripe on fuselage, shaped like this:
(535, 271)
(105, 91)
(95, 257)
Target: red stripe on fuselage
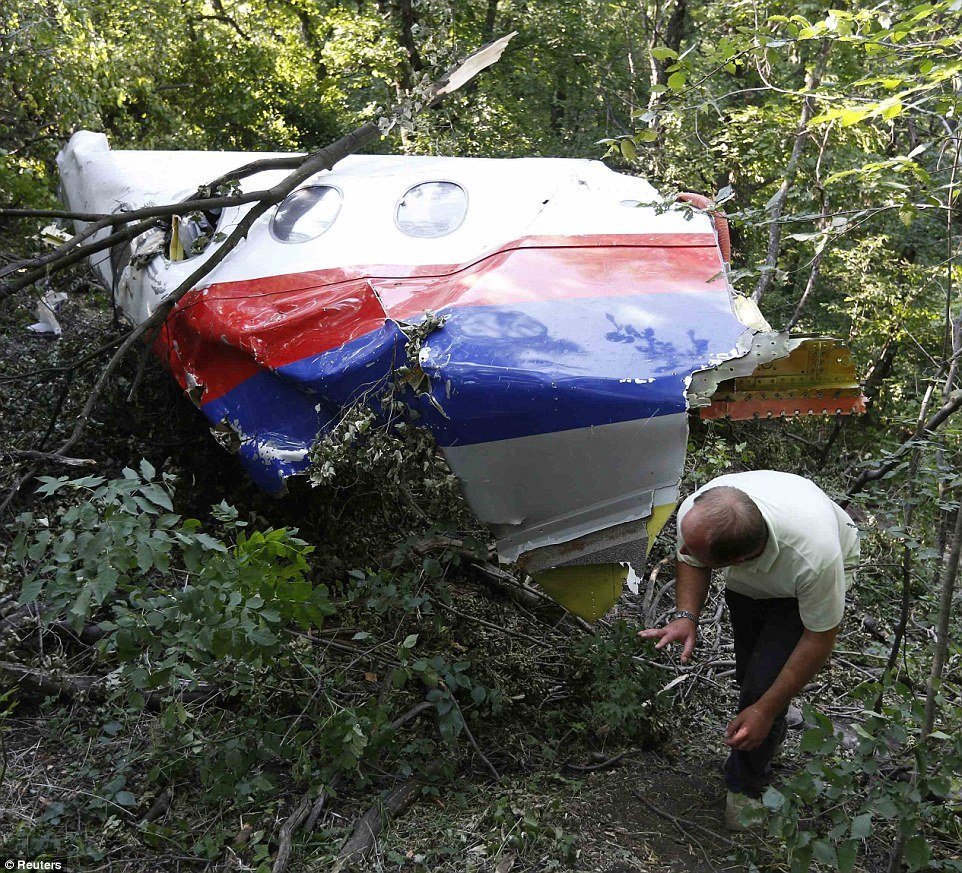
(226, 333)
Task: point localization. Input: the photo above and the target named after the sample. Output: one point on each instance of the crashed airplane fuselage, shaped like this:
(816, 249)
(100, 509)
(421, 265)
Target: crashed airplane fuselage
(579, 327)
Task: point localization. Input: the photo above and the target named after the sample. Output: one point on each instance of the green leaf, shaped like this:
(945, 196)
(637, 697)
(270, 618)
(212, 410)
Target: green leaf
(124, 798)
(892, 110)
(410, 641)
(886, 807)
(677, 81)
(917, 852)
(262, 636)
(147, 469)
(847, 854)
(220, 643)
(862, 826)
(31, 588)
(812, 740)
(848, 117)
(773, 799)
(51, 485)
(628, 149)
(155, 494)
(824, 851)
(801, 860)
(940, 786)
(663, 53)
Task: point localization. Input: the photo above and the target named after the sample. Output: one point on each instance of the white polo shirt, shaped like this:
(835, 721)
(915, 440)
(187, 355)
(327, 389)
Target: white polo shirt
(812, 547)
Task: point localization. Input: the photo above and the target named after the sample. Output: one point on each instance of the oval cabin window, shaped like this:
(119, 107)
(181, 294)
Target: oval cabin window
(306, 214)
(432, 209)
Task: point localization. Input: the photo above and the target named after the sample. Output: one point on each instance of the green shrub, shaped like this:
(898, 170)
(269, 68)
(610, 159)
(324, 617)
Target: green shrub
(177, 597)
(826, 812)
(622, 695)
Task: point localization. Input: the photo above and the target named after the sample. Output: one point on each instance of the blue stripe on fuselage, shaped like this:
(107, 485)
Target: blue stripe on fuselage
(497, 372)
(539, 367)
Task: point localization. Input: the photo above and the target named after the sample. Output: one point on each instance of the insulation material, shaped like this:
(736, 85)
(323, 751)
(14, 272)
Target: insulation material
(46, 314)
(579, 321)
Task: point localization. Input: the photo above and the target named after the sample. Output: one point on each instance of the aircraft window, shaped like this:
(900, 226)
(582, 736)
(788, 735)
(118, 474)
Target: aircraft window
(306, 213)
(432, 209)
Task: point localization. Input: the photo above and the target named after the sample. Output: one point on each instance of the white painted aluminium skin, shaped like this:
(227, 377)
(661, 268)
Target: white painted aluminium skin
(533, 495)
(508, 199)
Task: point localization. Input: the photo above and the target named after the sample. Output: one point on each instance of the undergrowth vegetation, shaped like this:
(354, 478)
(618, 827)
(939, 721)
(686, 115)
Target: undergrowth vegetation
(224, 671)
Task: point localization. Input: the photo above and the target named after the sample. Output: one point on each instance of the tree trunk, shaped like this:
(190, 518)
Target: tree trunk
(812, 81)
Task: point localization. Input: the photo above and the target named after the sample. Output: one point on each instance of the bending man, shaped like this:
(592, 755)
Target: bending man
(787, 553)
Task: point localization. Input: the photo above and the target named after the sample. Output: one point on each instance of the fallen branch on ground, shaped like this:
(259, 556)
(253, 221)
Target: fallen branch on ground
(474, 742)
(160, 805)
(288, 829)
(369, 826)
(77, 686)
(683, 824)
(33, 455)
(604, 765)
(411, 714)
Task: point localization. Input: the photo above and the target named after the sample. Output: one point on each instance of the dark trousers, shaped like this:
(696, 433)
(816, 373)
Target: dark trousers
(766, 632)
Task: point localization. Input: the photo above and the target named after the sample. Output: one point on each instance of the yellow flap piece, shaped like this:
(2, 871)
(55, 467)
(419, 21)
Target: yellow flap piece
(588, 590)
(748, 313)
(656, 521)
(176, 248)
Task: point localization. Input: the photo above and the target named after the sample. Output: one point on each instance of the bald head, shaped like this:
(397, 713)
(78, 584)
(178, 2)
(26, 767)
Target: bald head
(724, 527)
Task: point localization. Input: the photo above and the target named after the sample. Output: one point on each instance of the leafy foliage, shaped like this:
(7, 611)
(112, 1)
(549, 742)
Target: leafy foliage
(842, 794)
(178, 597)
(621, 696)
(224, 632)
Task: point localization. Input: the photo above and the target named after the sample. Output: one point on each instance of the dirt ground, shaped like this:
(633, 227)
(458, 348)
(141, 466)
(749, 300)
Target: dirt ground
(613, 813)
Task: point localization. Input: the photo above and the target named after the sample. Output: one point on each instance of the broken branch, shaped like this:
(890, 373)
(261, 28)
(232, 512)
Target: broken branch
(368, 827)
(288, 829)
(50, 458)
(812, 81)
(952, 404)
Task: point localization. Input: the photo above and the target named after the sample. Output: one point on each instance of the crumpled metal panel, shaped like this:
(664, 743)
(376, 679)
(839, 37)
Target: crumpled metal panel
(816, 377)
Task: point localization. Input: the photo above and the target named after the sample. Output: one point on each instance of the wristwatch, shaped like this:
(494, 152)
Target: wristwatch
(684, 613)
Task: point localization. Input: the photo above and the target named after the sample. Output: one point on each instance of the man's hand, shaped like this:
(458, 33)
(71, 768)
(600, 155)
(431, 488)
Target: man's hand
(681, 630)
(749, 728)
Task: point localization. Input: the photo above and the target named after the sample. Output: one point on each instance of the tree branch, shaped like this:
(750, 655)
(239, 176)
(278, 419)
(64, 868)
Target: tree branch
(812, 82)
(952, 405)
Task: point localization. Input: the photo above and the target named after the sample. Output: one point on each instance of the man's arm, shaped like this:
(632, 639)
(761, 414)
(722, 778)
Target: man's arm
(752, 724)
(691, 589)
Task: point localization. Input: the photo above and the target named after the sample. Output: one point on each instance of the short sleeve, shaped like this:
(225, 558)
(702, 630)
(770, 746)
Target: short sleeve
(682, 512)
(821, 597)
